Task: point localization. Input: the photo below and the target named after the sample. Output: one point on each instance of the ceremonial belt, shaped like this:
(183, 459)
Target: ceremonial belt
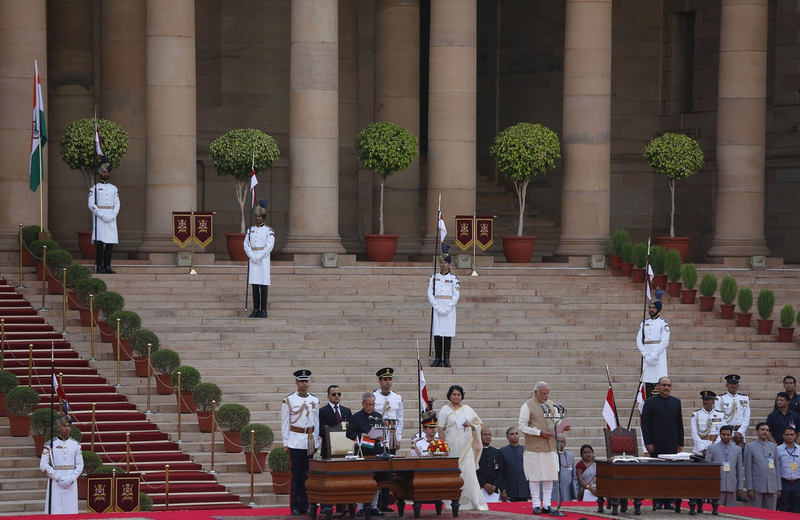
(297, 429)
(106, 207)
(652, 342)
(444, 297)
(708, 437)
(63, 468)
(256, 248)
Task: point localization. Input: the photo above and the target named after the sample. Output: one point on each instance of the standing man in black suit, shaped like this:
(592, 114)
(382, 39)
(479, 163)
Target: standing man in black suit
(662, 427)
(490, 468)
(516, 484)
(332, 415)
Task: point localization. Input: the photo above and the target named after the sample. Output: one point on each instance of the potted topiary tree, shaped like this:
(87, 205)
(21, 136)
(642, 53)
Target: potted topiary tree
(129, 322)
(79, 153)
(139, 340)
(689, 277)
(523, 151)
(727, 292)
(231, 418)
(107, 303)
(165, 362)
(30, 234)
(786, 331)
(708, 286)
(765, 303)
(75, 274)
(236, 154)
(279, 470)
(385, 148)
(658, 261)
(189, 379)
(7, 381)
(639, 262)
(677, 156)
(85, 288)
(57, 261)
(262, 438)
(618, 241)
(672, 265)
(203, 396)
(745, 302)
(43, 422)
(21, 401)
(626, 255)
(37, 250)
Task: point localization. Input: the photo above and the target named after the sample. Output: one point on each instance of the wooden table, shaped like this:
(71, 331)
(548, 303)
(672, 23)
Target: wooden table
(657, 479)
(418, 480)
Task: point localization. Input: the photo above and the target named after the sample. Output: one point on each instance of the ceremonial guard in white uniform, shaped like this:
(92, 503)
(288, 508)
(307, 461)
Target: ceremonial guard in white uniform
(443, 293)
(300, 431)
(104, 205)
(734, 406)
(258, 244)
(389, 404)
(62, 462)
(653, 347)
(430, 432)
(706, 423)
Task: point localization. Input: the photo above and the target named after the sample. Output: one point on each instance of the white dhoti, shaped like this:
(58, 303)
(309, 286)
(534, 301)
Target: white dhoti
(540, 466)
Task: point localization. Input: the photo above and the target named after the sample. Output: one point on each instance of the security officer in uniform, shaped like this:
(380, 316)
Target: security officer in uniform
(104, 205)
(443, 293)
(62, 462)
(735, 407)
(389, 404)
(706, 423)
(653, 348)
(300, 431)
(258, 244)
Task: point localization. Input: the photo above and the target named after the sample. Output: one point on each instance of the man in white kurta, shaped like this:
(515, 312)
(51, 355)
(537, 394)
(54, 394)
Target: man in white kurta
(706, 423)
(300, 432)
(735, 407)
(443, 293)
(258, 243)
(653, 347)
(104, 205)
(62, 462)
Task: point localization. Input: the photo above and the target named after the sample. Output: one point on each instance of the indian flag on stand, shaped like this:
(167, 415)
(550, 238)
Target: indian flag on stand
(366, 442)
(38, 132)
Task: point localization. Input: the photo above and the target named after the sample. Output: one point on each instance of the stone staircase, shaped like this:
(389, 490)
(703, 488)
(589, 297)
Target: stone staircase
(517, 325)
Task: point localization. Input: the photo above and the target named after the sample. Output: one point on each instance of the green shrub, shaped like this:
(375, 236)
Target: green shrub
(22, 400)
(672, 265)
(262, 440)
(798, 318)
(787, 316)
(204, 394)
(190, 378)
(708, 285)
(639, 255)
(91, 462)
(745, 300)
(78, 150)
(41, 421)
(75, 274)
(232, 417)
(129, 322)
(619, 239)
(627, 252)
(658, 259)
(689, 275)
(90, 286)
(58, 260)
(140, 338)
(728, 289)
(7, 381)
(30, 234)
(107, 470)
(165, 361)
(37, 247)
(765, 303)
(107, 303)
(278, 460)
(145, 502)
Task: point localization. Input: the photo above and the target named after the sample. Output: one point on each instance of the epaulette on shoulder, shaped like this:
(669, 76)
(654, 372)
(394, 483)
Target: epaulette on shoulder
(740, 393)
(312, 395)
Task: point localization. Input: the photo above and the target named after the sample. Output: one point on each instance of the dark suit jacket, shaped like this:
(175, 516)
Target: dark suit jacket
(514, 479)
(662, 424)
(327, 418)
(490, 468)
(360, 424)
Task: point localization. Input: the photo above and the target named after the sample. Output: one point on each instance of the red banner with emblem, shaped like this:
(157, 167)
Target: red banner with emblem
(484, 231)
(203, 228)
(100, 494)
(464, 231)
(181, 227)
(126, 493)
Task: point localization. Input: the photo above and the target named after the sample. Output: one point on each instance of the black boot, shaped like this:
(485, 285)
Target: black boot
(447, 352)
(108, 251)
(264, 296)
(256, 302)
(437, 345)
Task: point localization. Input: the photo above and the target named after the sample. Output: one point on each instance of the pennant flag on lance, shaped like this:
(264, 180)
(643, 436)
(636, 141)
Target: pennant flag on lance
(609, 410)
(464, 231)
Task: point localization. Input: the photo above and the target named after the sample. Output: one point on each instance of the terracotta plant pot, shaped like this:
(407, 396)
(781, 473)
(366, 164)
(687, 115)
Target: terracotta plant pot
(281, 483)
(73, 302)
(232, 442)
(125, 352)
(83, 488)
(764, 326)
(38, 445)
(679, 244)
(380, 248)
(626, 268)
(85, 244)
(727, 310)
(27, 258)
(3, 409)
(186, 402)
(707, 303)
(261, 462)
(638, 275)
(688, 295)
(55, 287)
(659, 280)
(204, 421)
(40, 272)
(140, 365)
(235, 243)
(674, 289)
(785, 334)
(743, 319)
(19, 425)
(518, 250)
(86, 319)
(164, 384)
(615, 261)
(107, 335)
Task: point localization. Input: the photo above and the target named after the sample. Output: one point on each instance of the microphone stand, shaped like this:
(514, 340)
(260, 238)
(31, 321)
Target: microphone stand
(556, 414)
(386, 439)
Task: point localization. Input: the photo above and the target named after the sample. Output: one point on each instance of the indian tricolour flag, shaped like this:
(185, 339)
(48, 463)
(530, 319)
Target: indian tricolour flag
(38, 132)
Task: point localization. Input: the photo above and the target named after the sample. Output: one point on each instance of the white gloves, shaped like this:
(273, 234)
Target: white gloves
(64, 482)
(441, 311)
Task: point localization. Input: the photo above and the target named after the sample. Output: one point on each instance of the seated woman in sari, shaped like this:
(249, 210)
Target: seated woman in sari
(587, 474)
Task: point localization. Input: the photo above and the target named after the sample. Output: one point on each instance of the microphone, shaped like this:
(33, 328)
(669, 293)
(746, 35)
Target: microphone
(545, 409)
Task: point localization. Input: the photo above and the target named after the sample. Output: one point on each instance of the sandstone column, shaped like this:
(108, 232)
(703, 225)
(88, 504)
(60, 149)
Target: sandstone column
(70, 48)
(452, 113)
(397, 101)
(741, 120)
(123, 99)
(586, 131)
(314, 129)
(22, 39)
(349, 210)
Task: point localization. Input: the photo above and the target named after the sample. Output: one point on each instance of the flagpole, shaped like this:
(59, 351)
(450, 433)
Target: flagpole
(436, 247)
(97, 260)
(613, 397)
(41, 191)
(419, 384)
(644, 317)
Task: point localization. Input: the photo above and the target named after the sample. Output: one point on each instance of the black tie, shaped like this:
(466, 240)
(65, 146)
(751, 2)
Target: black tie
(336, 411)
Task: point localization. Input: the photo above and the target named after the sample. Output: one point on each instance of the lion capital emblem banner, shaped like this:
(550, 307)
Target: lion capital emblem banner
(484, 231)
(181, 227)
(203, 228)
(100, 495)
(127, 493)
(464, 231)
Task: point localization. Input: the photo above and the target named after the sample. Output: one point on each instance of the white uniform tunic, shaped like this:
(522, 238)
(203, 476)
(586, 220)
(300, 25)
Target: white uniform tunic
(258, 244)
(705, 424)
(419, 445)
(104, 227)
(735, 409)
(300, 421)
(653, 349)
(390, 407)
(444, 302)
(62, 462)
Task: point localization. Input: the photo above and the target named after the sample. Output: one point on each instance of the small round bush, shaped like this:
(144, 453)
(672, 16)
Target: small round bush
(107, 303)
(30, 234)
(91, 462)
(672, 265)
(787, 316)
(140, 338)
(7, 381)
(708, 285)
(129, 322)
(75, 274)
(90, 286)
(145, 502)
(728, 289)
(262, 440)
(22, 400)
(190, 378)
(765, 303)
(689, 275)
(37, 247)
(232, 417)
(204, 395)
(165, 361)
(278, 461)
(745, 300)
(57, 260)
(42, 420)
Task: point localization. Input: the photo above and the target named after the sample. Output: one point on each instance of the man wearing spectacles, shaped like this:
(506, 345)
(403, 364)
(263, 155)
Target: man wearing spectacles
(332, 415)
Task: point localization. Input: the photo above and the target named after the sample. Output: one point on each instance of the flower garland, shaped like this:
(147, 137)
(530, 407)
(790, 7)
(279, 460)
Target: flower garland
(439, 446)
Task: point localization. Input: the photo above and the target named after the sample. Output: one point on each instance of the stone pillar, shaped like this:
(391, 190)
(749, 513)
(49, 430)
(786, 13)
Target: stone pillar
(123, 99)
(24, 39)
(452, 114)
(741, 120)
(349, 209)
(70, 49)
(397, 101)
(314, 129)
(586, 129)
(171, 120)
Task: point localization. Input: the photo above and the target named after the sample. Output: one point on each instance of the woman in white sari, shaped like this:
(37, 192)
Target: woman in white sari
(460, 426)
